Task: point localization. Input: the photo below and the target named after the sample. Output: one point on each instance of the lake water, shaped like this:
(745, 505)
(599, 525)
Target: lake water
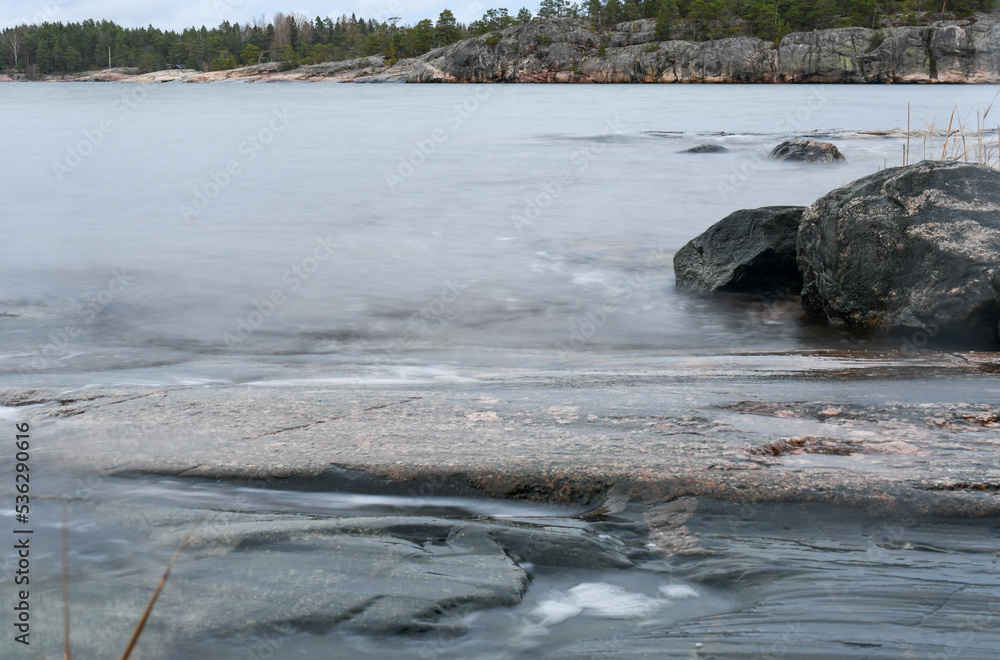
(231, 231)
(276, 233)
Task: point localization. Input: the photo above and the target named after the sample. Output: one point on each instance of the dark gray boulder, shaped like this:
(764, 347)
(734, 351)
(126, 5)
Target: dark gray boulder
(706, 149)
(809, 151)
(909, 248)
(749, 251)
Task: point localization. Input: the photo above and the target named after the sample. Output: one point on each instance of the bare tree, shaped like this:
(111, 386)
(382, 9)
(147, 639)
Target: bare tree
(282, 29)
(304, 25)
(14, 37)
(244, 32)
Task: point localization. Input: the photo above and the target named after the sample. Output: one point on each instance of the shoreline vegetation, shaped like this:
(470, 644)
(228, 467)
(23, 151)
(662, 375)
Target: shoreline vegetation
(653, 41)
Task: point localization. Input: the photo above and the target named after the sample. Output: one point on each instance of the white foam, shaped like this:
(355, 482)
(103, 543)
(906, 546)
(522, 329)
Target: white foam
(398, 376)
(590, 277)
(679, 591)
(596, 599)
(556, 611)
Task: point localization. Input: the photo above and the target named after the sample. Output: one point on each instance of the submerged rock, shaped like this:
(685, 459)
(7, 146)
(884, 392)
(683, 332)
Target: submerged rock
(268, 574)
(908, 248)
(749, 251)
(810, 151)
(706, 149)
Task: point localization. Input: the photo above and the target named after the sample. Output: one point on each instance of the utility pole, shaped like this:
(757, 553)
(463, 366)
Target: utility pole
(109, 58)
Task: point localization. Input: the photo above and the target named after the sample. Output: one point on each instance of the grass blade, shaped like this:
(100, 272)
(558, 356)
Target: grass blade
(990, 106)
(65, 579)
(906, 158)
(159, 588)
(947, 135)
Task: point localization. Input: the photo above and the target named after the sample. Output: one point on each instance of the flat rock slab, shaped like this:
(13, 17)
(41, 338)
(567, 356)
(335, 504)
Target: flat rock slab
(887, 430)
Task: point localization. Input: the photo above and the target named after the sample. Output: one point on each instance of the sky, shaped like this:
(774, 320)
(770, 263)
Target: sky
(178, 14)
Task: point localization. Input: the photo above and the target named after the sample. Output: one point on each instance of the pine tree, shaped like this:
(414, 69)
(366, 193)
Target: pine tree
(446, 30)
(614, 11)
(553, 8)
(665, 17)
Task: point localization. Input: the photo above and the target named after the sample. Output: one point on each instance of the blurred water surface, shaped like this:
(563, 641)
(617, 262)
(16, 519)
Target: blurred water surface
(199, 232)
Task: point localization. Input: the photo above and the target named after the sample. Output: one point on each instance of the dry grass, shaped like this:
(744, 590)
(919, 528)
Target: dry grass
(965, 141)
(152, 601)
(65, 578)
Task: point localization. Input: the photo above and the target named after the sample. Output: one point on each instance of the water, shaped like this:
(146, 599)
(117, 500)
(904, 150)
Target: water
(537, 226)
(271, 571)
(279, 234)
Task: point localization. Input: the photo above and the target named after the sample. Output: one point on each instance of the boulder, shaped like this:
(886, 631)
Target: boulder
(809, 151)
(706, 149)
(912, 248)
(749, 251)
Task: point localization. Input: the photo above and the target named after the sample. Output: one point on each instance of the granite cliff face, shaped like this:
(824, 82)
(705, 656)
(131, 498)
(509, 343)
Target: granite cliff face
(570, 50)
(567, 50)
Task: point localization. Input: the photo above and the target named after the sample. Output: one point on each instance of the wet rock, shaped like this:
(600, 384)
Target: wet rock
(706, 149)
(370, 575)
(810, 151)
(907, 249)
(749, 251)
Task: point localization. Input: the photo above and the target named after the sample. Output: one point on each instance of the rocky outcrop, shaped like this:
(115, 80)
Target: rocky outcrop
(749, 251)
(949, 51)
(907, 249)
(573, 50)
(706, 149)
(569, 50)
(808, 151)
(825, 55)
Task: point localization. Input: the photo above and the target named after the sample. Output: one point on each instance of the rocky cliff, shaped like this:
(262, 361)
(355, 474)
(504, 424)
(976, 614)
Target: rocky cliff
(568, 50)
(571, 50)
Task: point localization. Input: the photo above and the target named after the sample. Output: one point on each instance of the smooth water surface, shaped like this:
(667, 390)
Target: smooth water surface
(214, 232)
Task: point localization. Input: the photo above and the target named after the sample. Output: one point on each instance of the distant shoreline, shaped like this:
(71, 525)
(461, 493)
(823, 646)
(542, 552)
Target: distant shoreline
(567, 50)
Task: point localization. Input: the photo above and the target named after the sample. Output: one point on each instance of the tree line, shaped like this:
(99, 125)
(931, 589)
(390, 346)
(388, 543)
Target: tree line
(294, 39)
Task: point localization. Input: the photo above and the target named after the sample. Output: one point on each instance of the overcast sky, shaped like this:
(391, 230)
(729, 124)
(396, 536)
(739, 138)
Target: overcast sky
(177, 14)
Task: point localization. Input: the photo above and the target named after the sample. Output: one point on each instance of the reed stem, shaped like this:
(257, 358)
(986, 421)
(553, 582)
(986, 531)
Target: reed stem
(159, 588)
